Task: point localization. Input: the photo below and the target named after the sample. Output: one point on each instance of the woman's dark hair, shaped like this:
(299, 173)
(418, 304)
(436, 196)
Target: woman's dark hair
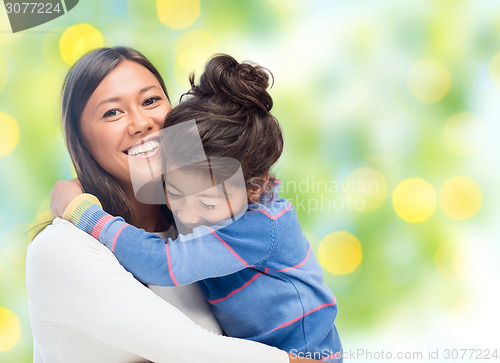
(231, 107)
(81, 81)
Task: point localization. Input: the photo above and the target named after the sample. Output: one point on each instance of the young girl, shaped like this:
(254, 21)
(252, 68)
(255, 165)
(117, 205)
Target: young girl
(245, 247)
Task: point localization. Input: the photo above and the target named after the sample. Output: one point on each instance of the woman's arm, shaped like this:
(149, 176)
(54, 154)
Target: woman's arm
(82, 285)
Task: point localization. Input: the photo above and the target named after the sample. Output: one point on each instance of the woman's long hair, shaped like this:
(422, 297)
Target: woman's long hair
(81, 81)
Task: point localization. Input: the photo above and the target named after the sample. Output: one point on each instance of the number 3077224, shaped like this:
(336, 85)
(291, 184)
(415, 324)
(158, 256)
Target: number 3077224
(32, 8)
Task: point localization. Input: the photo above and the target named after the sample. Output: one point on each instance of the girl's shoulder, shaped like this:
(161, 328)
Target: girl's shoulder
(274, 207)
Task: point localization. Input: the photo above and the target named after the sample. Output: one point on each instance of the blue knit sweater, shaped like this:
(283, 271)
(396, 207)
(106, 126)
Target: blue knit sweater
(259, 274)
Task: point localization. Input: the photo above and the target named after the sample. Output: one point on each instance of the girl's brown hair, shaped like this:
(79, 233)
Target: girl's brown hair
(231, 107)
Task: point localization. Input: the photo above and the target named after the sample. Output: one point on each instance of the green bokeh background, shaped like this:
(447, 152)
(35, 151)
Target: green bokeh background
(344, 96)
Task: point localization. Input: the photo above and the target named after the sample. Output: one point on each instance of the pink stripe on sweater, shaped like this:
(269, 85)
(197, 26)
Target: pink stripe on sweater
(238, 289)
(300, 264)
(116, 236)
(170, 266)
(96, 231)
(229, 248)
(336, 355)
(277, 215)
(300, 317)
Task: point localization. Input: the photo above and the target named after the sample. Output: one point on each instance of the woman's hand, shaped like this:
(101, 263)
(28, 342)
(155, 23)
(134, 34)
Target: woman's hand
(62, 194)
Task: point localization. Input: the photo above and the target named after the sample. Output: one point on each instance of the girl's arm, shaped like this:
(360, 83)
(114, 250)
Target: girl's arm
(205, 253)
(82, 285)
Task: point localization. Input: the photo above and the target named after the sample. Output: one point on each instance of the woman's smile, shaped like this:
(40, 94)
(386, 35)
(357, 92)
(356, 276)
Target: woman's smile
(144, 149)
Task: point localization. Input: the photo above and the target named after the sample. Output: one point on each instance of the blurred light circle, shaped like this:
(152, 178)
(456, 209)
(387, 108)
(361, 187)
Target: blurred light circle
(365, 184)
(428, 81)
(9, 135)
(10, 329)
(494, 68)
(192, 51)
(460, 197)
(288, 5)
(463, 134)
(178, 14)
(340, 253)
(196, 39)
(4, 75)
(77, 40)
(414, 200)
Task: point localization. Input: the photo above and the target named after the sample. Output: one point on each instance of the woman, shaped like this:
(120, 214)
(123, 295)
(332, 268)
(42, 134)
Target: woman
(84, 306)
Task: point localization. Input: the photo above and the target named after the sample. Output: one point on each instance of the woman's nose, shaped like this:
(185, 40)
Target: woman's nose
(139, 123)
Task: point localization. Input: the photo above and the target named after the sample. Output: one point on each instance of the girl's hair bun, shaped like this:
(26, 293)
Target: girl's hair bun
(242, 83)
(232, 107)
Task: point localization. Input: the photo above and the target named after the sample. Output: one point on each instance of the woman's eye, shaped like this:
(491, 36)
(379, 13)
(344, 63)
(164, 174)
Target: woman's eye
(112, 113)
(151, 100)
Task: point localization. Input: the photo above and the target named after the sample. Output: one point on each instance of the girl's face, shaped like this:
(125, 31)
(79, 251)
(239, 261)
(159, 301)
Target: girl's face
(127, 107)
(195, 200)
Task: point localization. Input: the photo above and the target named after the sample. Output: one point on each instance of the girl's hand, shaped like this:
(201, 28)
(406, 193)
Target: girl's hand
(294, 358)
(62, 194)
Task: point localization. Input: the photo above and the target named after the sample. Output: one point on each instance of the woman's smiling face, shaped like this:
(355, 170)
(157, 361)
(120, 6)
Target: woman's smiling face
(127, 107)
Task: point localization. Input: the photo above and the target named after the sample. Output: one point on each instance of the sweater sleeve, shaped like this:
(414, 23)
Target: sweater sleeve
(203, 254)
(78, 283)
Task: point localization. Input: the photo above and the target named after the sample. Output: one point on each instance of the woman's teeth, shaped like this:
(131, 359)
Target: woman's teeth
(144, 148)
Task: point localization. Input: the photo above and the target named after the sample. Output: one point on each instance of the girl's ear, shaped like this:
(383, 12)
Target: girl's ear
(254, 194)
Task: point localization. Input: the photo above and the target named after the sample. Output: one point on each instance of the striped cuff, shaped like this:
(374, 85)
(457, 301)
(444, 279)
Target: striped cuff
(78, 206)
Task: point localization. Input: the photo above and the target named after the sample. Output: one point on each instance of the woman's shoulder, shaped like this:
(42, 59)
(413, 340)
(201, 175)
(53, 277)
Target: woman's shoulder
(61, 234)
(60, 245)
(63, 260)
